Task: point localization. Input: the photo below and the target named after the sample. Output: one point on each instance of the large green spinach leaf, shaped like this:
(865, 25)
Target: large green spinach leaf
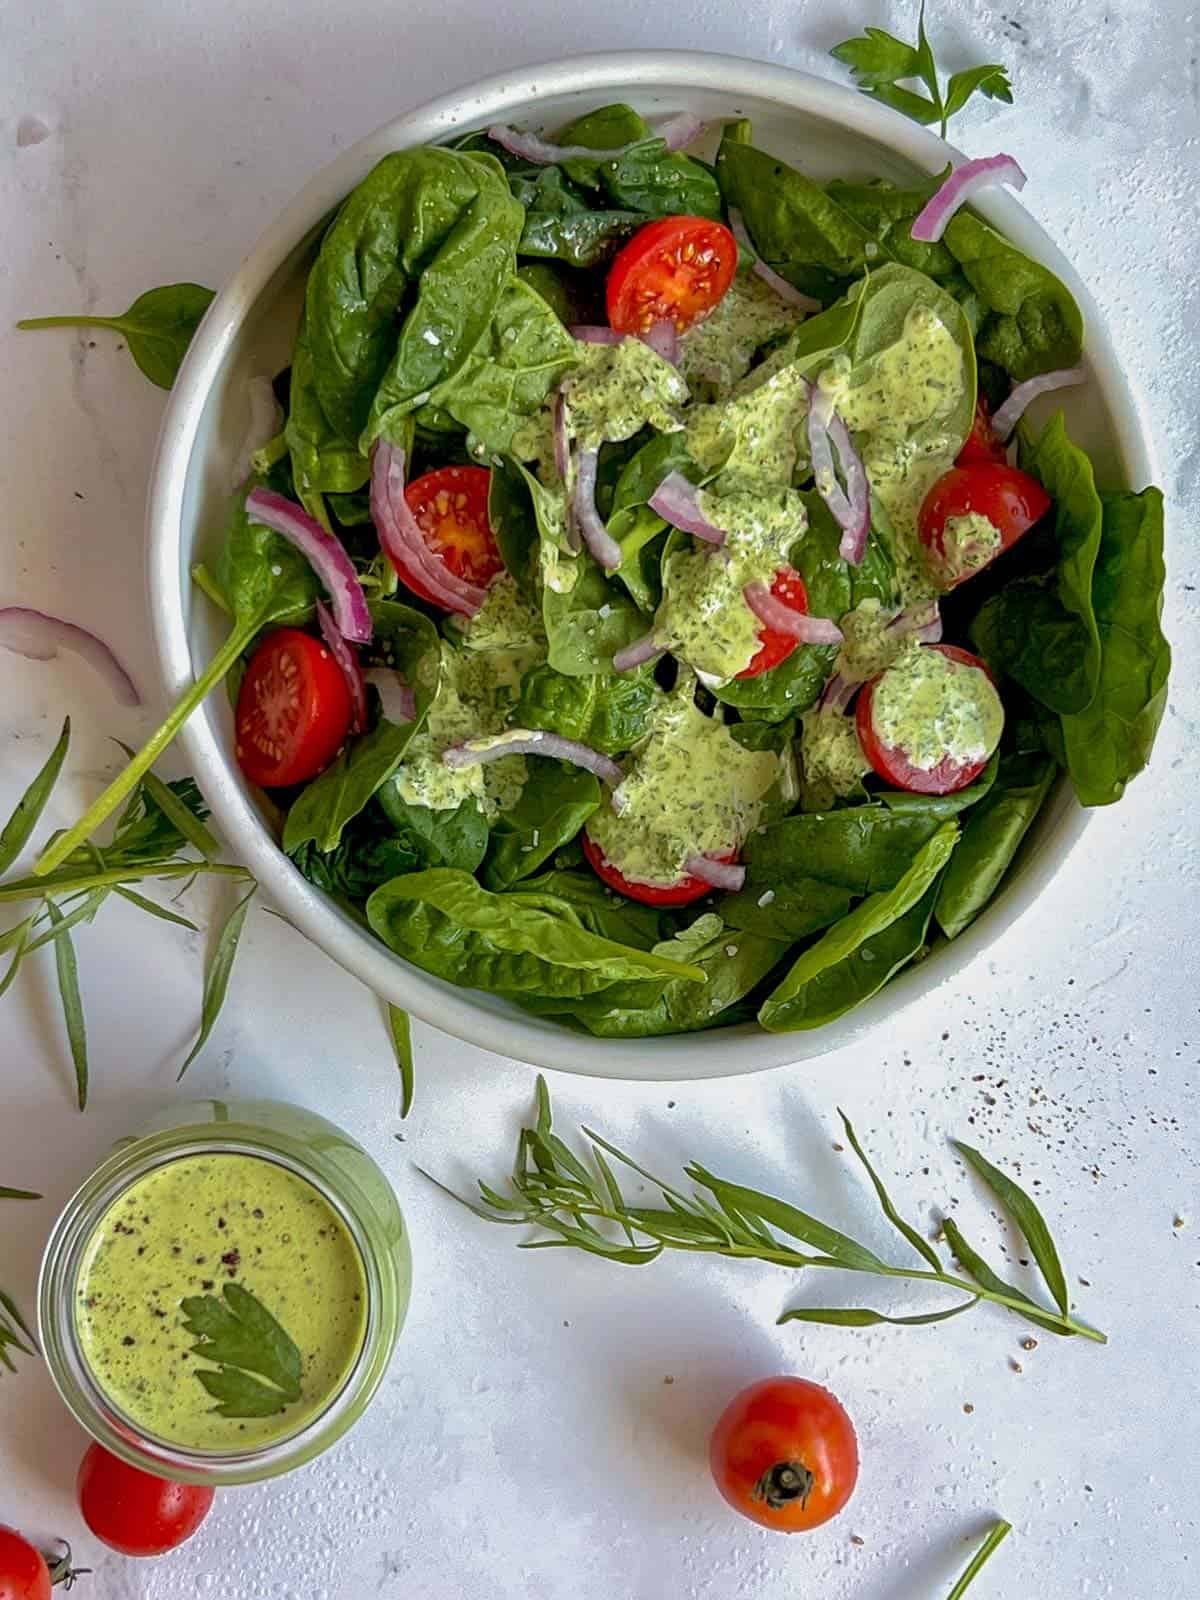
(647, 178)
(608, 711)
(323, 461)
(453, 838)
(158, 327)
(888, 213)
(589, 622)
(367, 856)
(524, 942)
(552, 808)
(990, 836)
(854, 958)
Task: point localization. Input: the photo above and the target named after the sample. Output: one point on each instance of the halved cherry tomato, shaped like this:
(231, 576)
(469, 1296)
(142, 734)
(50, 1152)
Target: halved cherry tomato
(650, 894)
(892, 762)
(451, 508)
(133, 1511)
(982, 443)
(675, 271)
(774, 647)
(1011, 501)
(784, 1454)
(293, 710)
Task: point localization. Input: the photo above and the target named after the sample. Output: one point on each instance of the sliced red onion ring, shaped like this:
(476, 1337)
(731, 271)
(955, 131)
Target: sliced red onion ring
(1013, 409)
(786, 291)
(851, 507)
(772, 613)
(402, 539)
(531, 742)
(323, 552)
(721, 874)
(637, 654)
(838, 693)
(594, 333)
(266, 419)
(923, 621)
(680, 130)
(930, 222)
(562, 444)
(677, 501)
(589, 521)
(348, 662)
(397, 699)
(39, 637)
(663, 339)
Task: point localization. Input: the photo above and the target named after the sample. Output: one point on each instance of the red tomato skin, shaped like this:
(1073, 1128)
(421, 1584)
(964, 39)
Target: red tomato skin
(133, 1511)
(291, 666)
(781, 1423)
(787, 585)
(1010, 499)
(23, 1572)
(893, 766)
(456, 529)
(982, 443)
(654, 277)
(649, 894)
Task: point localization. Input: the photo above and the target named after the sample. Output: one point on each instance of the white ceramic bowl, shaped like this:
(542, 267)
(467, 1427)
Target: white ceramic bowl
(826, 129)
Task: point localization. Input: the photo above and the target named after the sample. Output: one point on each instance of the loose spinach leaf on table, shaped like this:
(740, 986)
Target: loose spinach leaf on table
(526, 941)
(158, 327)
(554, 804)
(854, 958)
(991, 833)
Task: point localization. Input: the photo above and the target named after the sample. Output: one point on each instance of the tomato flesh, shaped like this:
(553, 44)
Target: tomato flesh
(982, 442)
(451, 509)
(1010, 500)
(293, 711)
(23, 1571)
(892, 763)
(650, 894)
(784, 1454)
(774, 647)
(133, 1511)
(675, 270)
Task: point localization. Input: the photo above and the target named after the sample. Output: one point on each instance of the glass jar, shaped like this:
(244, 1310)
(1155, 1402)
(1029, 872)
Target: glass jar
(345, 1177)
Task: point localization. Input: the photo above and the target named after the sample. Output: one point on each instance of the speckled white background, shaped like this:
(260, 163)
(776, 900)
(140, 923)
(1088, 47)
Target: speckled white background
(528, 1444)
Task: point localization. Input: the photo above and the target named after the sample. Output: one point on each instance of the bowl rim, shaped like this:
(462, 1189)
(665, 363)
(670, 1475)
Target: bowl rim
(724, 1051)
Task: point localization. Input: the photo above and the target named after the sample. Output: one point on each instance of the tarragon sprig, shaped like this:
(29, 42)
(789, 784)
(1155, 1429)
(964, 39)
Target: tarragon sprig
(13, 1329)
(583, 1206)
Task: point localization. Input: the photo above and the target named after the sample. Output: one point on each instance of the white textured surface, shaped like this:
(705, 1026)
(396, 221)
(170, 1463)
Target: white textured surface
(526, 1443)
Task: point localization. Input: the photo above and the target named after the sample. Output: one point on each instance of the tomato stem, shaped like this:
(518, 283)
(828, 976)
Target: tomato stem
(784, 1483)
(60, 1568)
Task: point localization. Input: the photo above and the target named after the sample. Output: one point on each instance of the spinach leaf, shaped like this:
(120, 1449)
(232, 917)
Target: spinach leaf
(323, 461)
(797, 228)
(514, 524)
(587, 623)
(603, 912)
(857, 956)
(367, 855)
(1033, 323)
(524, 942)
(790, 908)
(552, 808)
(608, 711)
(888, 213)
(330, 801)
(648, 178)
(1042, 631)
(1110, 741)
(522, 355)
(158, 327)
(990, 836)
(561, 223)
(263, 577)
(454, 838)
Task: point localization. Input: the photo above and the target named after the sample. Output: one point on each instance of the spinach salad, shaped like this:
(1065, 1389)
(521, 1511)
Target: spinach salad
(639, 610)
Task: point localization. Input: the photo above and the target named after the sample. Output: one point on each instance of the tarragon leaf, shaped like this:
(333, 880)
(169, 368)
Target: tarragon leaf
(400, 1033)
(862, 1317)
(72, 1001)
(240, 1336)
(973, 1263)
(32, 803)
(1027, 1217)
(920, 1245)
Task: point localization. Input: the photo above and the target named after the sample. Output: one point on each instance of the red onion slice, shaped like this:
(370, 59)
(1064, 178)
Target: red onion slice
(348, 662)
(663, 339)
(531, 742)
(923, 621)
(773, 614)
(1013, 409)
(397, 699)
(838, 693)
(404, 543)
(851, 507)
(786, 291)
(39, 637)
(930, 222)
(589, 521)
(677, 501)
(594, 333)
(324, 553)
(721, 874)
(637, 654)
(680, 130)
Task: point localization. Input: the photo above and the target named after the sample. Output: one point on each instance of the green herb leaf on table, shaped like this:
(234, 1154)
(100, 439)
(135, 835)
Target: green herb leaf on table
(400, 1032)
(246, 1344)
(216, 979)
(1028, 1218)
(72, 1002)
(28, 810)
(14, 1331)
(158, 327)
(552, 1189)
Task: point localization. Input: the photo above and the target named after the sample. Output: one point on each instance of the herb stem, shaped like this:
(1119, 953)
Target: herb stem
(996, 1537)
(31, 888)
(71, 322)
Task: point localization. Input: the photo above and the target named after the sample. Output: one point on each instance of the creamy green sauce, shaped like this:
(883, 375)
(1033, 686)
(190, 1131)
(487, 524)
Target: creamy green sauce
(756, 431)
(914, 383)
(187, 1228)
(968, 543)
(690, 789)
(716, 353)
(478, 690)
(618, 389)
(832, 763)
(704, 619)
(932, 708)
(505, 620)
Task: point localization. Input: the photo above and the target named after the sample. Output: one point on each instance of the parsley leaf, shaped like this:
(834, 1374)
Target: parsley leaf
(880, 63)
(241, 1337)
